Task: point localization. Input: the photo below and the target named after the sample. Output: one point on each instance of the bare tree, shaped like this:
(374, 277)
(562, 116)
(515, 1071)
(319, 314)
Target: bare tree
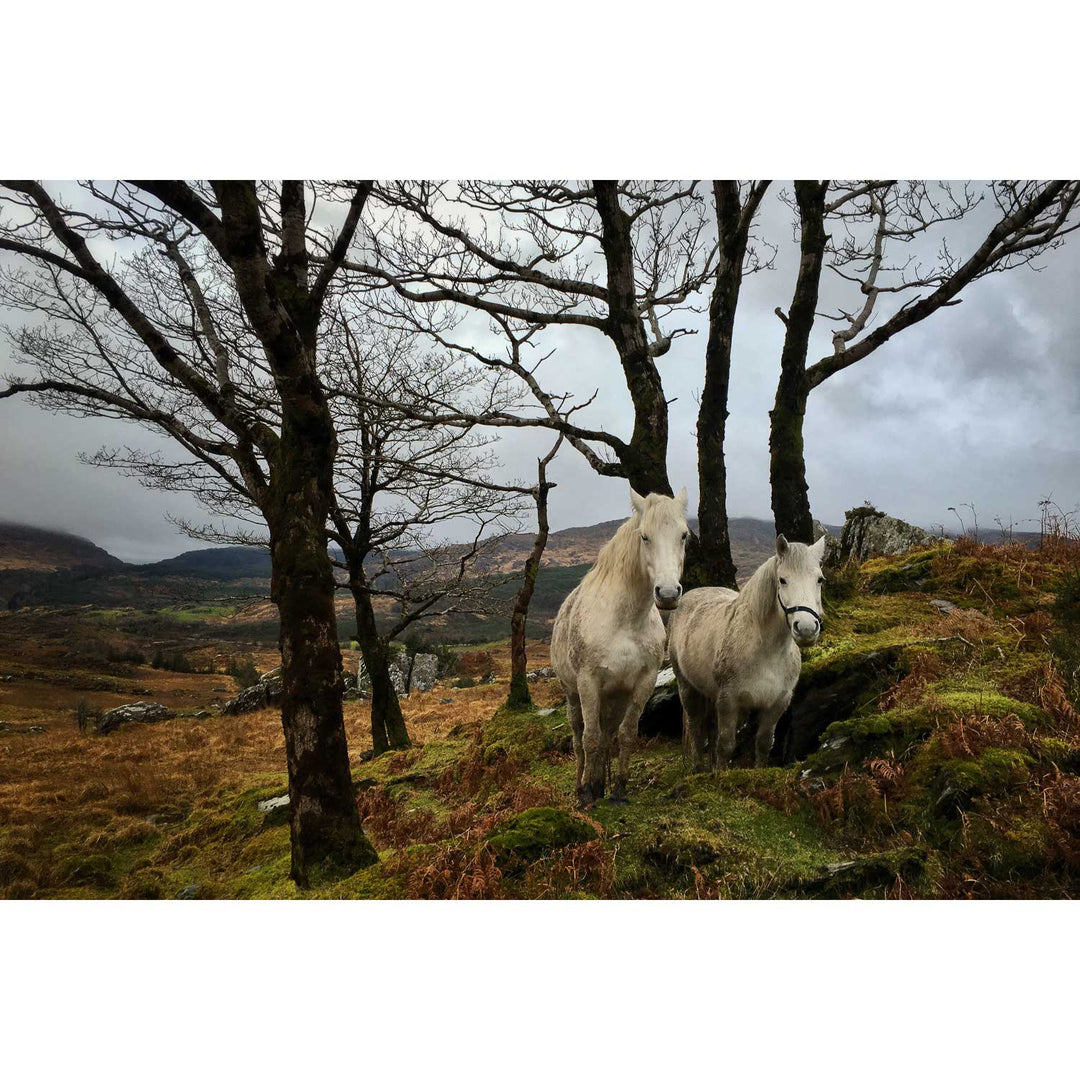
(401, 480)
(871, 219)
(519, 697)
(124, 284)
(623, 257)
(736, 206)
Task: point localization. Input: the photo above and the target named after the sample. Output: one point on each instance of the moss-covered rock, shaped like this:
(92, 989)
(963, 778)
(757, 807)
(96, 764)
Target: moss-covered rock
(955, 782)
(870, 874)
(534, 833)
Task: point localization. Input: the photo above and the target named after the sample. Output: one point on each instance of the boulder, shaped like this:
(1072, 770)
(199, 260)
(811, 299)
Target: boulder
(540, 673)
(425, 672)
(141, 712)
(662, 714)
(399, 675)
(868, 533)
(266, 692)
(273, 673)
(363, 679)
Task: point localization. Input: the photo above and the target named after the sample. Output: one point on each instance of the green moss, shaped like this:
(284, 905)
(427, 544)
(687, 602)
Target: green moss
(909, 573)
(981, 700)
(871, 875)
(536, 832)
(955, 782)
(88, 870)
(871, 735)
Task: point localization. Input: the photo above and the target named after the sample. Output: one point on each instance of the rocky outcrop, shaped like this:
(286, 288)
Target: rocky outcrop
(141, 712)
(425, 672)
(868, 533)
(267, 691)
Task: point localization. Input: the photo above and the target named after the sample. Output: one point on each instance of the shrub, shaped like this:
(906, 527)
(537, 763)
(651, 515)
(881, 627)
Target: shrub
(477, 665)
(176, 661)
(243, 671)
(86, 718)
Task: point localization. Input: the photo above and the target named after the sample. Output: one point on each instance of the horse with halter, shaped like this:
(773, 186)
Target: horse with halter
(736, 654)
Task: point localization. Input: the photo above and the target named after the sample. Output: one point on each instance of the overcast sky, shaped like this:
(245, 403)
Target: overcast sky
(977, 404)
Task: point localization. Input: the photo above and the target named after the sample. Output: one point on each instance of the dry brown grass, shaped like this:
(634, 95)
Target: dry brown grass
(64, 791)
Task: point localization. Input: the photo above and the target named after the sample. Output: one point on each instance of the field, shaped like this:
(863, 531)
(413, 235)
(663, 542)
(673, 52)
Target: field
(950, 768)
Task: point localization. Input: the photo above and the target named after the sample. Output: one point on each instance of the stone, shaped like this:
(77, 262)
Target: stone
(425, 672)
(943, 606)
(141, 712)
(446, 701)
(267, 805)
(273, 673)
(363, 679)
(540, 673)
(188, 892)
(266, 692)
(397, 679)
(662, 714)
(868, 533)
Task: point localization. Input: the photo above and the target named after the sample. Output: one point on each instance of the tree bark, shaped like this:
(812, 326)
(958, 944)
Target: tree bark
(519, 696)
(388, 731)
(709, 562)
(787, 462)
(327, 840)
(645, 458)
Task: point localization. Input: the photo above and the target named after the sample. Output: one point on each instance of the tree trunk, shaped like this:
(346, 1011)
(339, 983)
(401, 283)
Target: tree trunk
(388, 730)
(709, 562)
(787, 462)
(519, 697)
(327, 840)
(646, 457)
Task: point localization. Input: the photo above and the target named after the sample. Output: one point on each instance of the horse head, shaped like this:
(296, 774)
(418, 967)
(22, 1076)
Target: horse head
(798, 587)
(662, 527)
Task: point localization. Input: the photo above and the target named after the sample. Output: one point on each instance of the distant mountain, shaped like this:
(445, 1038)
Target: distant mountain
(35, 562)
(219, 563)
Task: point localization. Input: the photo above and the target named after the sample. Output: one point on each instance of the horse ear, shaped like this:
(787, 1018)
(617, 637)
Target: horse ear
(682, 499)
(637, 502)
(781, 545)
(817, 549)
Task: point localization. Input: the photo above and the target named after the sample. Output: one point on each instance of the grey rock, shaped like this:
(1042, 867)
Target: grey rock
(868, 533)
(141, 712)
(189, 892)
(351, 695)
(541, 673)
(446, 701)
(425, 672)
(273, 673)
(662, 714)
(944, 606)
(267, 691)
(267, 805)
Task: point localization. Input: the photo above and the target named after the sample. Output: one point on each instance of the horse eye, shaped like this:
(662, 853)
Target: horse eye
(685, 537)
(644, 538)
(783, 581)
(821, 581)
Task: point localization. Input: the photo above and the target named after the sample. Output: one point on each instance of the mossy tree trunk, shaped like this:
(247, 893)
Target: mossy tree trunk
(787, 461)
(519, 696)
(388, 731)
(285, 312)
(709, 562)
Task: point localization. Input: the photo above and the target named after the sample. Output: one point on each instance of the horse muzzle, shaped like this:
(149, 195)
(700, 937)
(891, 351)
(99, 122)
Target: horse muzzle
(667, 596)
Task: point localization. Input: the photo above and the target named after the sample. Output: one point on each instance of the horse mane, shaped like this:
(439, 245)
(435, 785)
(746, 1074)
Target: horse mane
(619, 560)
(759, 593)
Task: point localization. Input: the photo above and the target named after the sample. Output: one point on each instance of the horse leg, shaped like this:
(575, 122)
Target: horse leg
(766, 727)
(695, 715)
(726, 713)
(577, 726)
(594, 764)
(628, 736)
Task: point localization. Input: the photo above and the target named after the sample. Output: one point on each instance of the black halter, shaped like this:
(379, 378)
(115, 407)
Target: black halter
(789, 611)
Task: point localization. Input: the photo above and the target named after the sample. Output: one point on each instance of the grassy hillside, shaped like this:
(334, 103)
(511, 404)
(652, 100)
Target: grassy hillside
(955, 774)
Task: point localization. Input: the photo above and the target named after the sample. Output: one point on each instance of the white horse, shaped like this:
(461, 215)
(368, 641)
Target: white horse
(608, 639)
(736, 654)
